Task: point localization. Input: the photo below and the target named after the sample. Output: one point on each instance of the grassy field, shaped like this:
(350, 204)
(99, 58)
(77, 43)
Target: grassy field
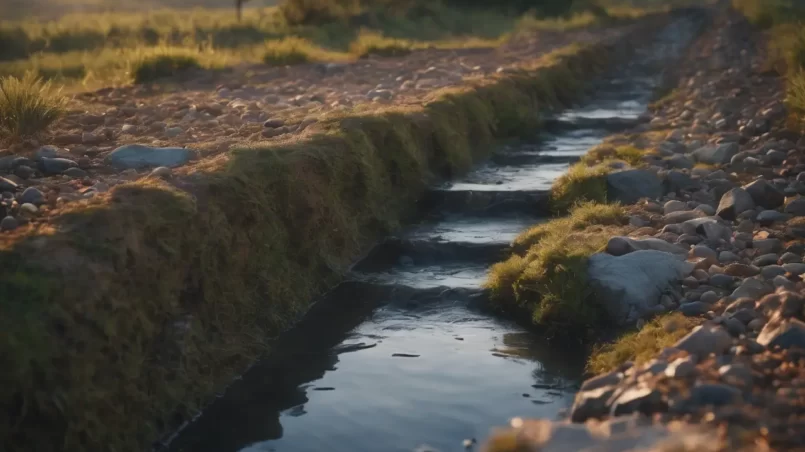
(92, 49)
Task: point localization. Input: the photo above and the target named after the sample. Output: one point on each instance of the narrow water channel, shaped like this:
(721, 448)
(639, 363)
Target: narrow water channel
(405, 355)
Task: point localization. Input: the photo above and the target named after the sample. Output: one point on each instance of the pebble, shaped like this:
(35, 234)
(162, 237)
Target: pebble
(734, 326)
(768, 217)
(766, 246)
(76, 173)
(709, 297)
(741, 270)
(674, 206)
(8, 223)
(790, 258)
(721, 280)
(794, 268)
(772, 271)
(694, 309)
(796, 207)
(33, 196)
(766, 259)
(726, 257)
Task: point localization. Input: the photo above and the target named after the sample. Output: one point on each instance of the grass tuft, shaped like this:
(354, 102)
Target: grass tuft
(581, 183)
(602, 153)
(641, 346)
(28, 106)
(293, 50)
(163, 63)
(549, 279)
(370, 43)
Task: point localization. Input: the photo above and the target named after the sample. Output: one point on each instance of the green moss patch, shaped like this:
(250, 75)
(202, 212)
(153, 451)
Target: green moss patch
(131, 310)
(581, 182)
(641, 346)
(548, 280)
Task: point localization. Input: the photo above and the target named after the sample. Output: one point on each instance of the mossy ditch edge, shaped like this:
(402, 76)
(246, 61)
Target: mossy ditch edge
(126, 315)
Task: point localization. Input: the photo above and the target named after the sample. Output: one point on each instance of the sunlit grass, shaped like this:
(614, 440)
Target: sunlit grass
(28, 106)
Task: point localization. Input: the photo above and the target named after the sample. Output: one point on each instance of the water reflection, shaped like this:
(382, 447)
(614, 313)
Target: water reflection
(456, 386)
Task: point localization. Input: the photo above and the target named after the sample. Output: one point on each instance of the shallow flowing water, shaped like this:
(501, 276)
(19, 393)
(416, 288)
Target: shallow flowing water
(405, 354)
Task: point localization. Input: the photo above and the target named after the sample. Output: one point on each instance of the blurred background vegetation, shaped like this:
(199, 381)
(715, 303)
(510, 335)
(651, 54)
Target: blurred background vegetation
(90, 43)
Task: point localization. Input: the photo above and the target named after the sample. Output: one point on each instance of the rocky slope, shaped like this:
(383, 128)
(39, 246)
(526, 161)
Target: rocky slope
(732, 206)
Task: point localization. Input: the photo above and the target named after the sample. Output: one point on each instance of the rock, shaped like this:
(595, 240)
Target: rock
(29, 209)
(765, 194)
(274, 123)
(618, 246)
(682, 216)
(766, 259)
(162, 172)
(725, 257)
(129, 128)
(782, 281)
(709, 297)
(679, 162)
(77, 173)
(173, 131)
(55, 165)
(629, 186)
(766, 246)
(790, 258)
(786, 334)
(637, 399)
(751, 288)
(796, 207)
(734, 326)
(795, 268)
(710, 227)
(705, 252)
(591, 404)
(714, 394)
(716, 155)
(8, 223)
(756, 324)
(694, 309)
(600, 381)
(24, 172)
(741, 270)
(681, 368)
(722, 281)
(768, 217)
(47, 151)
(772, 271)
(706, 209)
(66, 140)
(734, 203)
(674, 206)
(704, 340)
(629, 286)
(736, 374)
(7, 185)
(676, 181)
(139, 156)
(33, 196)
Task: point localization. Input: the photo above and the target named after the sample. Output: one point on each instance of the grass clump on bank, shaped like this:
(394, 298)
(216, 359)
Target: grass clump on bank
(548, 277)
(163, 64)
(155, 298)
(292, 50)
(581, 182)
(604, 153)
(28, 106)
(641, 346)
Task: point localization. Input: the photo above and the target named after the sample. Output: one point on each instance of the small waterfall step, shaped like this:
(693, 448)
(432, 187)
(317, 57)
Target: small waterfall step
(611, 124)
(500, 230)
(484, 200)
(394, 251)
(447, 275)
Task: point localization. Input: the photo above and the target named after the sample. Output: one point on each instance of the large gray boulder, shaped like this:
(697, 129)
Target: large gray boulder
(630, 185)
(716, 155)
(139, 156)
(629, 286)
